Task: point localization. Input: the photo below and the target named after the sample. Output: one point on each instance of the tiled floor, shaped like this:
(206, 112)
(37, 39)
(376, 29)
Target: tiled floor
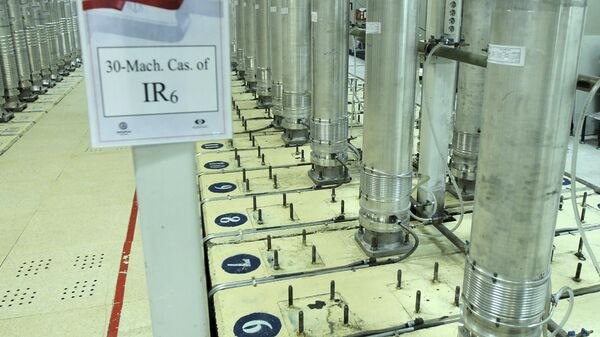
(63, 219)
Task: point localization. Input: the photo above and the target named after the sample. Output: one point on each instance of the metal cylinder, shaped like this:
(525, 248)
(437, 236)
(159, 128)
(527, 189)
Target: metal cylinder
(250, 43)
(263, 53)
(277, 61)
(386, 178)
(10, 72)
(75, 28)
(297, 74)
(34, 48)
(477, 17)
(531, 78)
(233, 7)
(240, 30)
(329, 123)
(56, 10)
(43, 39)
(439, 91)
(53, 42)
(70, 31)
(17, 26)
(65, 33)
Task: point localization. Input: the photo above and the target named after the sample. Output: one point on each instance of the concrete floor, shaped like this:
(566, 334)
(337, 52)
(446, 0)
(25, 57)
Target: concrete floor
(64, 216)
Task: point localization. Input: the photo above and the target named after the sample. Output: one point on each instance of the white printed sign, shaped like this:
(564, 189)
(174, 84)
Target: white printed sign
(507, 55)
(156, 72)
(314, 16)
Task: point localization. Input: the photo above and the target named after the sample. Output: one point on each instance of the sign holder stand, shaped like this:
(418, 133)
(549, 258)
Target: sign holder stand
(167, 191)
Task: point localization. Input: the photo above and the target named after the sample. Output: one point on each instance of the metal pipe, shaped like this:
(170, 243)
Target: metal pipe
(277, 61)
(477, 18)
(240, 20)
(53, 42)
(329, 123)
(250, 43)
(263, 53)
(233, 8)
(297, 74)
(10, 74)
(17, 26)
(386, 177)
(521, 164)
(439, 91)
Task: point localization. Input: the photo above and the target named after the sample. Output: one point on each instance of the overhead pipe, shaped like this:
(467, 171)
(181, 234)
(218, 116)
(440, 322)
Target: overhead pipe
(297, 73)
(477, 17)
(263, 54)
(329, 123)
(277, 61)
(527, 108)
(250, 44)
(386, 177)
(439, 91)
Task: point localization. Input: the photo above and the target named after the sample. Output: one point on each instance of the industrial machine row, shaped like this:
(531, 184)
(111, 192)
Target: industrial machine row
(39, 44)
(427, 197)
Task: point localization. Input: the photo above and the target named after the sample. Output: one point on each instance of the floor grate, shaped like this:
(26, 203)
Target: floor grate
(33, 267)
(21, 296)
(91, 261)
(81, 289)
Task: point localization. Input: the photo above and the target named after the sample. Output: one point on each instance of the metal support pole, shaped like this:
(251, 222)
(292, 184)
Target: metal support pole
(167, 193)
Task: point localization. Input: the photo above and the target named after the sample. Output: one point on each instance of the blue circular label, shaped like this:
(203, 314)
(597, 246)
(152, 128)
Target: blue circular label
(231, 220)
(566, 181)
(216, 165)
(240, 264)
(598, 206)
(258, 324)
(212, 146)
(222, 187)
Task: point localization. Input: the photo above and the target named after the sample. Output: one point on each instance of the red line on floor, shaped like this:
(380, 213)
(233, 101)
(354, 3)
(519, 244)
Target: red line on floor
(115, 316)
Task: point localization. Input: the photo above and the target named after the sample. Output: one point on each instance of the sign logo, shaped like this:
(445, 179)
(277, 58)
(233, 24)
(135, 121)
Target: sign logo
(258, 324)
(123, 126)
(216, 165)
(212, 146)
(240, 264)
(200, 121)
(566, 181)
(222, 187)
(231, 220)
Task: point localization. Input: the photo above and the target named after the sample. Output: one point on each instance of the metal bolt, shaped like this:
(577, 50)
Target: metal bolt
(235, 152)
(300, 322)
(561, 202)
(275, 260)
(332, 290)
(579, 253)
(552, 255)
(577, 277)
(258, 149)
(297, 149)
(333, 195)
(314, 255)
(247, 185)
(245, 125)
(302, 156)
(292, 212)
(342, 207)
(290, 296)
(244, 175)
(237, 159)
(260, 217)
(584, 201)
(418, 302)
(269, 246)
(270, 172)
(262, 160)
(250, 135)
(399, 279)
(457, 296)
(304, 237)
(284, 197)
(374, 243)
(583, 214)
(253, 141)
(346, 314)
(436, 270)
(254, 203)
(275, 186)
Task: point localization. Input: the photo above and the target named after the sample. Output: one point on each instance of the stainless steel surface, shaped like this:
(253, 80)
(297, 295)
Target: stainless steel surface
(56, 10)
(386, 179)
(297, 74)
(10, 73)
(477, 18)
(329, 123)
(277, 61)
(521, 165)
(263, 52)
(65, 33)
(75, 28)
(70, 30)
(439, 87)
(240, 31)
(233, 7)
(250, 42)
(42, 33)
(17, 26)
(51, 24)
